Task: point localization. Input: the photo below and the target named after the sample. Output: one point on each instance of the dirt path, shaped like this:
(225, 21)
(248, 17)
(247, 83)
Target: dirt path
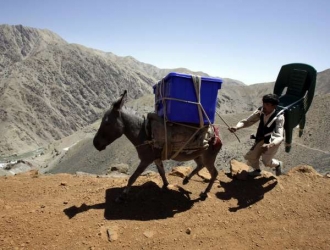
(78, 212)
(314, 149)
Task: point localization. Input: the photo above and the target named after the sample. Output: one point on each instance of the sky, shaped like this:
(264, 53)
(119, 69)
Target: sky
(246, 40)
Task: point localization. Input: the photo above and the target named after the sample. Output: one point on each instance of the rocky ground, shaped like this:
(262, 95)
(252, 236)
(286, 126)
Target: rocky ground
(66, 211)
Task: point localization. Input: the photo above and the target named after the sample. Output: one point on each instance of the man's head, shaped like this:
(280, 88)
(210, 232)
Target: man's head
(269, 103)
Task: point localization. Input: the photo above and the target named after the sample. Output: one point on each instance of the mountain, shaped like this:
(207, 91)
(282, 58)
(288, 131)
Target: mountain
(323, 82)
(50, 88)
(52, 95)
(76, 153)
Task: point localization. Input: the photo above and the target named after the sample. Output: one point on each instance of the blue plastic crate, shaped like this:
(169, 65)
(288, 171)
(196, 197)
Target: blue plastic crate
(180, 86)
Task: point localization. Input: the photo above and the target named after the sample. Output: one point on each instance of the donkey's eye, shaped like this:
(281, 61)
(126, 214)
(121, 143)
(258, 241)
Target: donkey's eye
(106, 119)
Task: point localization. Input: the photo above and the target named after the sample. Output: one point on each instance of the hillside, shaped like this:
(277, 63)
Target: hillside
(54, 93)
(311, 149)
(50, 88)
(323, 82)
(78, 212)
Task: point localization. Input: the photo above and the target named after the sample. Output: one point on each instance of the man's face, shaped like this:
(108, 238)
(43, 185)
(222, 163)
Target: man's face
(268, 108)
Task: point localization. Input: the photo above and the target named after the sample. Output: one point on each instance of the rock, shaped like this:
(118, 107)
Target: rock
(148, 173)
(112, 234)
(148, 234)
(121, 167)
(80, 173)
(267, 174)
(116, 174)
(180, 171)
(188, 230)
(204, 173)
(305, 169)
(239, 170)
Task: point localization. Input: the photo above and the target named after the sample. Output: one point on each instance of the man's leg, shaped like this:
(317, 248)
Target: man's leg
(253, 155)
(268, 157)
(269, 160)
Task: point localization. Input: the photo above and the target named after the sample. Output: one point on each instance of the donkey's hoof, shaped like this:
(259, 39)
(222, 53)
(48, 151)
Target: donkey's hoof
(185, 180)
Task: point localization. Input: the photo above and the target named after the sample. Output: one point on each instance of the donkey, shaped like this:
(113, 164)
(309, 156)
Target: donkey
(116, 122)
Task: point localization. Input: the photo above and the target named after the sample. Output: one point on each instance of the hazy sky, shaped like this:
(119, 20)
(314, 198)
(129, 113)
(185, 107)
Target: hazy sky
(247, 40)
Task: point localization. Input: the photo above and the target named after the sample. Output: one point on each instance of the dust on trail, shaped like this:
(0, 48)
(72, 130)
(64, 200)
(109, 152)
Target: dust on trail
(66, 211)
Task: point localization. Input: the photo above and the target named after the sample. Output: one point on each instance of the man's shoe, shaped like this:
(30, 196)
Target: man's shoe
(256, 172)
(278, 169)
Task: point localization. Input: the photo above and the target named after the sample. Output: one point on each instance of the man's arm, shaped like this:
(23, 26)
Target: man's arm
(252, 119)
(278, 134)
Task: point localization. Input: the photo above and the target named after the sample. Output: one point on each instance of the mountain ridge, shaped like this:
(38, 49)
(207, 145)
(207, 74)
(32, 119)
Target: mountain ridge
(50, 88)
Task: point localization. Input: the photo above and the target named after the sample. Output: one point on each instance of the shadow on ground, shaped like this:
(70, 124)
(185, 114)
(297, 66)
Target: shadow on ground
(145, 202)
(246, 192)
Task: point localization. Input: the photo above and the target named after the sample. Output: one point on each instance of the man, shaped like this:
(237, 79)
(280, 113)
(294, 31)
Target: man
(269, 135)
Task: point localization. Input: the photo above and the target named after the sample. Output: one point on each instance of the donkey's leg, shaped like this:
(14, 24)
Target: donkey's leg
(161, 171)
(208, 159)
(142, 166)
(214, 173)
(199, 162)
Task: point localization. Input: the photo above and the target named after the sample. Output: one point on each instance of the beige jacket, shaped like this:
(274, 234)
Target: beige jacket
(277, 135)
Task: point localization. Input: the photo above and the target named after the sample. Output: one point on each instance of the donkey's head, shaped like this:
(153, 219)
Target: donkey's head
(112, 126)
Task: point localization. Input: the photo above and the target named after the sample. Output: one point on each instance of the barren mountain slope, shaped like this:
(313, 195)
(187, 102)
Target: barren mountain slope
(323, 82)
(49, 88)
(311, 149)
(19, 42)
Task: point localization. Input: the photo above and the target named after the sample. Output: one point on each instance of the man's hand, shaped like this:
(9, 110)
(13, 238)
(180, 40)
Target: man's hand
(232, 129)
(265, 147)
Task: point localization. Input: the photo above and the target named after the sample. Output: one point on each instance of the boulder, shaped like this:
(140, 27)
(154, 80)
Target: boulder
(239, 170)
(180, 171)
(305, 169)
(121, 167)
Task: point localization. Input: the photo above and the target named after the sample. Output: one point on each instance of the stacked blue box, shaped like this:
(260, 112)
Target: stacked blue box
(178, 93)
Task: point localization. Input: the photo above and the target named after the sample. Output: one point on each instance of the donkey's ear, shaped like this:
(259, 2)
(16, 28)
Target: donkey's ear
(124, 96)
(120, 102)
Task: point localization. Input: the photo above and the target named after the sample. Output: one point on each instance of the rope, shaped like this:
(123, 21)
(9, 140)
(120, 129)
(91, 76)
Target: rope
(162, 86)
(227, 125)
(201, 111)
(197, 85)
(182, 147)
(180, 100)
